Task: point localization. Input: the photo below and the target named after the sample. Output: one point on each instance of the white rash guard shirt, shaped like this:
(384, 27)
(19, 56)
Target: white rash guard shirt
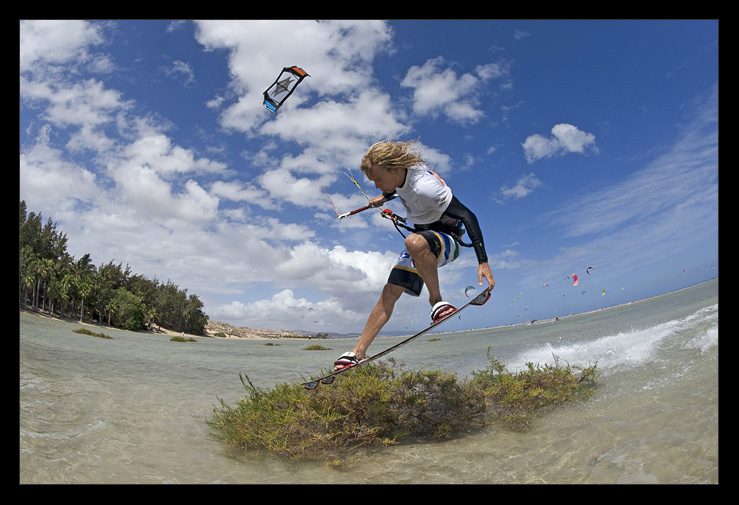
(424, 194)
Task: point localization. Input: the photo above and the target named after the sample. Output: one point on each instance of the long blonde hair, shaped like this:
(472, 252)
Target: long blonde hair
(389, 155)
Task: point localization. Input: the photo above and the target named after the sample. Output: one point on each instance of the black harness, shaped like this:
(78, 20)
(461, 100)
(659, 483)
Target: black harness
(446, 224)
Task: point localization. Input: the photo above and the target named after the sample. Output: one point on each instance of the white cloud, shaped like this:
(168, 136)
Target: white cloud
(303, 314)
(353, 278)
(180, 70)
(437, 89)
(238, 191)
(663, 208)
(157, 151)
(84, 103)
(335, 53)
(55, 42)
(336, 268)
(50, 180)
(525, 185)
(677, 180)
(565, 139)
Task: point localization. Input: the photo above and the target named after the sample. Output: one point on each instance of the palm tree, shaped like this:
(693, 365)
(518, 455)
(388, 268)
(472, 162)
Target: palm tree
(153, 316)
(84, 288)
(110, 278)
(25, 272)
(42, 268)
(83, 270)
(66, 291)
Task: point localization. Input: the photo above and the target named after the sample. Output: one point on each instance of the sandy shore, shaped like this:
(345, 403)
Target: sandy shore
(213, 329)
(216, 329)
(223, 330)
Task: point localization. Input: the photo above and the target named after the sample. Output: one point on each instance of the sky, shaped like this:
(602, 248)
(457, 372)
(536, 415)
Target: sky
(576, 143)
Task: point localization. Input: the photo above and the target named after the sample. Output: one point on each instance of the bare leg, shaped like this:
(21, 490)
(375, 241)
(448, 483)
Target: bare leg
(425, 262)
(379, 316)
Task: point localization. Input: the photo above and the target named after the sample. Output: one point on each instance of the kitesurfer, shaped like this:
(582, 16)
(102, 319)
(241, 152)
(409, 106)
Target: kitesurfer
(437, 216)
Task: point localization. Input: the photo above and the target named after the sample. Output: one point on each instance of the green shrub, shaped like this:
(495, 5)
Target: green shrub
(177, 338)
(376, 405)
(85, 331)
(513, 398)
(316, 347)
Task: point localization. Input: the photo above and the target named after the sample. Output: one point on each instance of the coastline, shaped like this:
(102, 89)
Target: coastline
(574, 314)
(231, 332)
(212, 328)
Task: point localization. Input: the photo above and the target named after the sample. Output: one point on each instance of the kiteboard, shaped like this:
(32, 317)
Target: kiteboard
(329, 379)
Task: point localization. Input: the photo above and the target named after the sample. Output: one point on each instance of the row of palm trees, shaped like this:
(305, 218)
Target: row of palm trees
(53, 281)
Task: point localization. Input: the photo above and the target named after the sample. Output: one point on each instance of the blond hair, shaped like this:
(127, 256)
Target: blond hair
(389, 155)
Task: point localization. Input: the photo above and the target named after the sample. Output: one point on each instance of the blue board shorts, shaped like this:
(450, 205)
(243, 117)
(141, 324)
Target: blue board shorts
(404, 273)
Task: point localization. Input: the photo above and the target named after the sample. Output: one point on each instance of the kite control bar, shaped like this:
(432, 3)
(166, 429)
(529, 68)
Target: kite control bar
(351, 213)
(398, 221)
(360, 209)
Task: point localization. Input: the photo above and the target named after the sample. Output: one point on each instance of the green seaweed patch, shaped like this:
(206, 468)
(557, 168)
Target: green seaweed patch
(316, 347)
(379, 404)
(182, 339)
(85, 331)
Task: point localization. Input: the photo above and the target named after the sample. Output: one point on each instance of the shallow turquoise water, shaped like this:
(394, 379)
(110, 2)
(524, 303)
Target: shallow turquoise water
(132, 409)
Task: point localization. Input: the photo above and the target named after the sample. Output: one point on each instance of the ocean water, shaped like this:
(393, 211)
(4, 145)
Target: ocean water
(133, 409)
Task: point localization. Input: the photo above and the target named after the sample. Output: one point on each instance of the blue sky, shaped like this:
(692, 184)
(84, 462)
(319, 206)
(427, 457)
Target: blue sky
(577, 143)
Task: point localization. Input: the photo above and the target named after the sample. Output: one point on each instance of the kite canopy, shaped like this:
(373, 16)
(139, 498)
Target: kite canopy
(283, 87)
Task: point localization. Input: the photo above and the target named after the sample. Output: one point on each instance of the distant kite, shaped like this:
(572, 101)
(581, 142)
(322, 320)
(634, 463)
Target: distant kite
(283, 87)
(574, 280)
(588, 270)
(467, 289)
